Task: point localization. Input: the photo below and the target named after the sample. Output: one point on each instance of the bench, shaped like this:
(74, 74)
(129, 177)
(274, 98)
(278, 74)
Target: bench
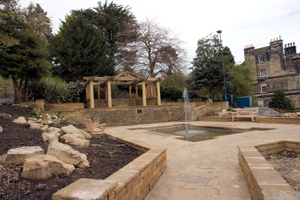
(245, 113)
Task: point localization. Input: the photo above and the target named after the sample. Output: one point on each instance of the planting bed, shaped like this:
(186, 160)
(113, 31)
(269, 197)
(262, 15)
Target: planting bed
(13, 186)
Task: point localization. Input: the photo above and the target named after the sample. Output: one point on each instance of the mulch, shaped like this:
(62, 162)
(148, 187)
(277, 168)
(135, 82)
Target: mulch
(105, 155)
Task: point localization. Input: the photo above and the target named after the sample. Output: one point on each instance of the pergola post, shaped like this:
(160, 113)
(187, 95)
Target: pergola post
(91, 94)
(136, 92)
(87, 95)
(130, 91)
(105, 91)
(144, 94)
(158, 93)
(109, 93)
(98, 91)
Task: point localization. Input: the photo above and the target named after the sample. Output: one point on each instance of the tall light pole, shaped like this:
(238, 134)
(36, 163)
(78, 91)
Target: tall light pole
(219, 32)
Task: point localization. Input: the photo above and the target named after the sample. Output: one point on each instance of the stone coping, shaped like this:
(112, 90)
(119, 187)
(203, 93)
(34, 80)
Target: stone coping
(133, 181)
(259, 119)
(263, 181)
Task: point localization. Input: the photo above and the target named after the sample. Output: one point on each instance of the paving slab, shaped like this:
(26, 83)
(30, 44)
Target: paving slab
(206, 169)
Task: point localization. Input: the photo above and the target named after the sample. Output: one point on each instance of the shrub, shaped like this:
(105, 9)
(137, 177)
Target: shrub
(171, 93)
(77, 92)
(279, 100)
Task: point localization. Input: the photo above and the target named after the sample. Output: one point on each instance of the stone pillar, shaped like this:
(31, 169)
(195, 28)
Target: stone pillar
(158, 93)
(144, 94)
(130, 91)
(136, 92)
(91, 94)
(109, 93)
(98, 91)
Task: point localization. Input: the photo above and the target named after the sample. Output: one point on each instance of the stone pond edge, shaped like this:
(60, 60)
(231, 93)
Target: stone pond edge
(262, 180)
(133, 181)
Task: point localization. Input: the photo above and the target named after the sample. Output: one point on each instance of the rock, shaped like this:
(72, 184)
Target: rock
(17, 156)
(44, 128)
(54, 128)
(50, 136)
(4, 115)
(68, 154)
(55, 122)
(44, 166)
(1, 129)
(73, 139)
(36, 126)
(32, 119)
(298, 114)
(20, 120)
(85, 134)
(46, 122)
(289, 115)
(72, 130)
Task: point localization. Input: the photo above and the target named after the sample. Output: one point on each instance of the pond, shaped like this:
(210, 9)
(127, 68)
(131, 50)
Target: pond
(196, 134)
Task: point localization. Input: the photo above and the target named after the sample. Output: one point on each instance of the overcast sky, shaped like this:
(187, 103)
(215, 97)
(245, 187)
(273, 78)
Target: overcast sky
(242, 22)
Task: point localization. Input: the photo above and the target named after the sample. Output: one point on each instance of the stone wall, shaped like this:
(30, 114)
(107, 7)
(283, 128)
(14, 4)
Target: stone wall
(103, 103)
(138, 115)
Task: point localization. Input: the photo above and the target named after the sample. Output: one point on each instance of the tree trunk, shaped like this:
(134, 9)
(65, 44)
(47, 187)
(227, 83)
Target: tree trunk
(26, 90)
(210, 93)
(17, 89)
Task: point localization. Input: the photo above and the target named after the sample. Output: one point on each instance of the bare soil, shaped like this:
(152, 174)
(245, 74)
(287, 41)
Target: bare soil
(13, 186)
(288, 166)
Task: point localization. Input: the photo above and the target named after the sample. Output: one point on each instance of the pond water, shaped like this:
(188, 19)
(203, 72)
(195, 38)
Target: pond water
(196, 134)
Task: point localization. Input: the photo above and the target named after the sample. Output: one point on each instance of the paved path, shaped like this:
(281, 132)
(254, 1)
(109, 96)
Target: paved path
(208, 169)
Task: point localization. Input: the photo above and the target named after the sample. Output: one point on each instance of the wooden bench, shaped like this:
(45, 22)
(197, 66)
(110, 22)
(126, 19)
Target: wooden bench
(93, 127)
(245, 113)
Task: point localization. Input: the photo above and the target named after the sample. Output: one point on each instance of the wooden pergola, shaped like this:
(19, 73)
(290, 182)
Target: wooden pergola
(150, 86)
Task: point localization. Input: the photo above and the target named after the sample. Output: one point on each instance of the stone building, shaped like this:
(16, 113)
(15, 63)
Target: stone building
(275, 68)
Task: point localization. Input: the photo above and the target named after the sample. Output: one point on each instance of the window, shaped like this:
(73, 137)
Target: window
(264, 88)
(261, 59)
(262, 73)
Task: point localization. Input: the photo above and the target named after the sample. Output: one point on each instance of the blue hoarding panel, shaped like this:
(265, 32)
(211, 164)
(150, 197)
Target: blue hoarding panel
(243, 102)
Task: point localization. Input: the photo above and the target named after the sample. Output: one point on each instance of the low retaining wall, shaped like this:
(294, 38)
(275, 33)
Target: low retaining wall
(133, 181)
(263, 181)
(103, 103)
(279, 120)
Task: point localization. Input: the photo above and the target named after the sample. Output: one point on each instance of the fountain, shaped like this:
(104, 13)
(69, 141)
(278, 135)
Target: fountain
(186, 100)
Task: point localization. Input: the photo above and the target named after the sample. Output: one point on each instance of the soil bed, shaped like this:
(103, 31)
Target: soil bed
(13, 186)
(288, 166)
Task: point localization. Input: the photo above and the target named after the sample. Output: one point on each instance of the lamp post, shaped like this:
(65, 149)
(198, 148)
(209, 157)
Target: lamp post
(219, 32)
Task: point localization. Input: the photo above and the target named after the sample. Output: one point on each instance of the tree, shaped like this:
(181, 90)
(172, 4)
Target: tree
(242, 83)
(80, 50)
(158, 51)
(118, 24)
(6, 40)
(279, 100)
(26, 60)
(207, 65)
(37, 19)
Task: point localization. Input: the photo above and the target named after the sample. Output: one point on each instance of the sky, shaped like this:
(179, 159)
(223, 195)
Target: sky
(242, 22)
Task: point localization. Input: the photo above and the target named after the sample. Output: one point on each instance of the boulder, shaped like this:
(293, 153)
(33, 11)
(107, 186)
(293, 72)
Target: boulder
(54, 128)
(72, 130)
(20, 120)
(36, 126)
(1, 129)
(85, 134)
(73, 139)
(50, 136)
(32, 119)
(17, 156)
(46, 122)
(68, 154)
(55, 122)
(4, 115)
(44, 128)
(44, 166)
(289, 115)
